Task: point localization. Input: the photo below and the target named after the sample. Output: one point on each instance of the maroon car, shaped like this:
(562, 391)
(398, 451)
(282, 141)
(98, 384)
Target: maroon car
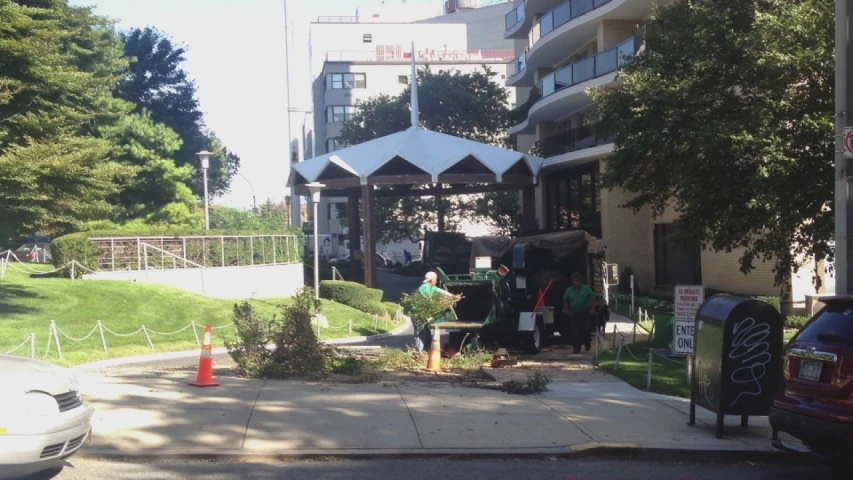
(816, 405)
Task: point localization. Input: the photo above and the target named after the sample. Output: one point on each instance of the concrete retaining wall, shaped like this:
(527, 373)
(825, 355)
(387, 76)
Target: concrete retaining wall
(267, 281)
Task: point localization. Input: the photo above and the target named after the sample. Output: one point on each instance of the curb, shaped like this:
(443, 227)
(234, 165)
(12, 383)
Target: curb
(590, 451)
(157, 357)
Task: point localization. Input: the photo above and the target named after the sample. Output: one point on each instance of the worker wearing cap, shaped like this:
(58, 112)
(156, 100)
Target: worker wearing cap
(428, 287)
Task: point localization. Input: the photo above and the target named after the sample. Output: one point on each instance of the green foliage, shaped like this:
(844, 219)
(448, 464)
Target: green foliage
(394, 359)
(156, 82)
(500, 210)
(374, 294)
(723, 116)
(75, 247)
(776, 302)
(348, 293)
(796, 321)
(423, 309)
(297, 351)
(466, 105)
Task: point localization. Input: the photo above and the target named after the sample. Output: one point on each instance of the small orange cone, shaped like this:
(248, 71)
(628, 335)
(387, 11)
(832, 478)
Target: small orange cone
(434, 364)
(204, 378)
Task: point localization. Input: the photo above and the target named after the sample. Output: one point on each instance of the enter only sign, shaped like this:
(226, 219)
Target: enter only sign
(688, 299)
(848, 142)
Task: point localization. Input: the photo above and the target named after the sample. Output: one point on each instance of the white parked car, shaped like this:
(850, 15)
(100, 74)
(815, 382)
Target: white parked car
(43, 418)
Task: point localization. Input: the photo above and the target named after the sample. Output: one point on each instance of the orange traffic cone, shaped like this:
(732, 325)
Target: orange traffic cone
(204, 378)
(434, 364)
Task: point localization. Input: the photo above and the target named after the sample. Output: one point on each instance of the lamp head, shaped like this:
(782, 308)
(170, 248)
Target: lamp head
(314, 188)
(204, 156)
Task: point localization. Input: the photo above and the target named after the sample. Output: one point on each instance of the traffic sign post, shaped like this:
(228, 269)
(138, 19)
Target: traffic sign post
(688, 299)
(847, 140)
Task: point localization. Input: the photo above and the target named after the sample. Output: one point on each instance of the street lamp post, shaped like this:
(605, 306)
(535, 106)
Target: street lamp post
(251, 187)
(315, 188)
(204, 156)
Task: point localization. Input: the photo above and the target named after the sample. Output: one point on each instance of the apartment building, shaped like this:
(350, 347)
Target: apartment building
(570, 46)
(353, 59)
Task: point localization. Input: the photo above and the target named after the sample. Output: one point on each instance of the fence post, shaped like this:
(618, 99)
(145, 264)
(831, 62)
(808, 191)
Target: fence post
(632, 294)
(613, 344)
(72, 269)
(103, 337)
(138, 254)
(635, 332)
(619, 353)
(32, 345)
(55, 332)
(222, 244)
(147, 337)
(252, 249)
(3, 268)
(273, 250)
(649, 378)
(652, 331)
(203, 252)
(184, 242)
(195, 333)
(113, 254)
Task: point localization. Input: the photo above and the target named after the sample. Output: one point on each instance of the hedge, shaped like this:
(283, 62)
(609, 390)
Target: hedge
(207, 252)
(357, 296)
(348, 293)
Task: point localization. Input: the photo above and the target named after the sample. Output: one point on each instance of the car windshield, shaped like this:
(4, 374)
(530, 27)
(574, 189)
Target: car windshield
(833, 324)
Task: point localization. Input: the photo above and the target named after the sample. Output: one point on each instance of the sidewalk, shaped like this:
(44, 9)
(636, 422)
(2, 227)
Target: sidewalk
(158, 416)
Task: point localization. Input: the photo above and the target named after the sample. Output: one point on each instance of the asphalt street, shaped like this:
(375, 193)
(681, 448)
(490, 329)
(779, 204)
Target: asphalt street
(433, 469)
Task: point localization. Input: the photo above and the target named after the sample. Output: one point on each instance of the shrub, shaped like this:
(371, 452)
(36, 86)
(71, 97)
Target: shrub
(374, 308)
(348, 293)
(374, 294)
(796, 321)
(75, 247)
(391, 308)
(776, 302)
(297, 351)
(536, 383)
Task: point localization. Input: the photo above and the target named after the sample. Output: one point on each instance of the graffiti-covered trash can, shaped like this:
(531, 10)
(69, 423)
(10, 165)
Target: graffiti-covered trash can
(737, 358)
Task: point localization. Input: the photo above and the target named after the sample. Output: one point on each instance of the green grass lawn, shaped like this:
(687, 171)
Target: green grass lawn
(668, 377)
(27, 305)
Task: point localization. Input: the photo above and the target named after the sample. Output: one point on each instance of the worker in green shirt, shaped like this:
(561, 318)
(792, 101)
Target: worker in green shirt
(428, 288)
(579, 304)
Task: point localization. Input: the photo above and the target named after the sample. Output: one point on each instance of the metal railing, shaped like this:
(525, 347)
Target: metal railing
(142, 253)
(561, 15)
(327, 19)
(425, 56)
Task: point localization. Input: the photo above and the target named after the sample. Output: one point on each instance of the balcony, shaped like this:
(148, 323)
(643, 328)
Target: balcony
(423, 56)
(573, 140)
(516, 16)
(577, 73)
(567, 27)
(516, 65)
(561, 15)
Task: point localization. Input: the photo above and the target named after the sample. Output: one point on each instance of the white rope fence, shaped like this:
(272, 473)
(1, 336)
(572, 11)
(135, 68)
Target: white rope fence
(651, 360)
(23, 267)
(55, 333)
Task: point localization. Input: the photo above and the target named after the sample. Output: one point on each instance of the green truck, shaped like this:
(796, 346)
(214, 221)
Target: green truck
(514, 287)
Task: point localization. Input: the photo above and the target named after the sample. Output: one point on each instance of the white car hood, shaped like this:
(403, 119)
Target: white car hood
(26, 375)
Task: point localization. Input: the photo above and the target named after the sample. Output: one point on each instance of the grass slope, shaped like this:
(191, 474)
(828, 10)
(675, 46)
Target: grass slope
(27, 305)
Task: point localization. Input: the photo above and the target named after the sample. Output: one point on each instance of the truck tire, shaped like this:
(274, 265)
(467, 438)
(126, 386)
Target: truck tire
(531, 342)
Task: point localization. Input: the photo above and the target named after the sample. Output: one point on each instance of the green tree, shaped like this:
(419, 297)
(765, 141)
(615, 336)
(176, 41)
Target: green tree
(467, 105)
(58, 68)
(727, 116)
(155, 81)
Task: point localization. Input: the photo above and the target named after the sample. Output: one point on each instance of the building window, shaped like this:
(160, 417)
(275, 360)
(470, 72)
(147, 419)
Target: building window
(403, 79)
(675, 264)
(332, 145)
(340, 113)
(574, 200)
(367, 38)
(338, 81)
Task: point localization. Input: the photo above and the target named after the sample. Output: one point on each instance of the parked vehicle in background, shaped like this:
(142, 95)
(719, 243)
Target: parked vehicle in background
(816, 404)
(34, 253)
(43, 418)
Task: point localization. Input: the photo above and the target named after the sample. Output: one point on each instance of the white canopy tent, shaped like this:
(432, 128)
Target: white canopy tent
(416, 156)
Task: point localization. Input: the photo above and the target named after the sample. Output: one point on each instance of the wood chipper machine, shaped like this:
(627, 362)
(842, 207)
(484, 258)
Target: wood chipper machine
(520, 305)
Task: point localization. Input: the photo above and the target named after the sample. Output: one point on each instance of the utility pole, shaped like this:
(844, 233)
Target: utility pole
(843, 165)
(288, 41)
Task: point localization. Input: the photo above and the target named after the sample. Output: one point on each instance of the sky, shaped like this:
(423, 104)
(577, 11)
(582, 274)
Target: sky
(236, 56)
